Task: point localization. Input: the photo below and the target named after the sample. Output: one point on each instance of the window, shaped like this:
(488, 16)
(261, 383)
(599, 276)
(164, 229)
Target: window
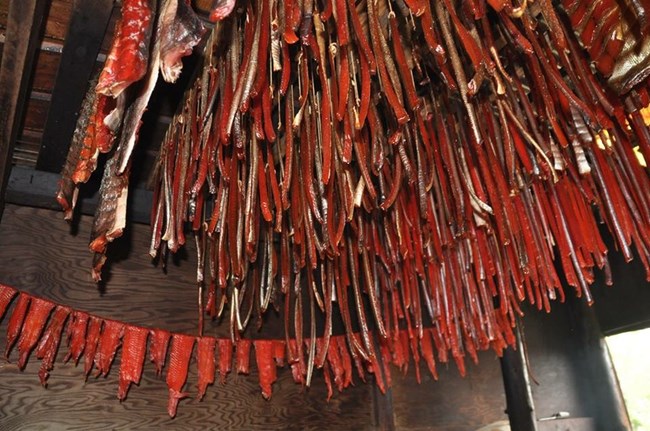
(630, 352)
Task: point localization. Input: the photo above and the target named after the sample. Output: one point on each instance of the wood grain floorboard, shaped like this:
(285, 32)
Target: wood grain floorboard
(39, 255)
(72, 404)
(453, 403)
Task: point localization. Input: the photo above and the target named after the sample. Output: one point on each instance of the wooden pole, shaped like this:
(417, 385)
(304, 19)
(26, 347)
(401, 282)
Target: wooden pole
(596, 370)
(516, 382)
(382, 406)
(24, 23)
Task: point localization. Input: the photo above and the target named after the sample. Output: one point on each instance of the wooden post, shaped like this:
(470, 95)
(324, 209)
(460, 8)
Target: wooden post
(24, 23)
(383, 409)
(82, 44)
(596, 371)
(519, 397)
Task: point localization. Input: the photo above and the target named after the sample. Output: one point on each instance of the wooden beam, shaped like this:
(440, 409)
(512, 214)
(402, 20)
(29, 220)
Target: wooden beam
(595, 371)
(24, 24)
(383, 414)
(82, 44)
(27, 187)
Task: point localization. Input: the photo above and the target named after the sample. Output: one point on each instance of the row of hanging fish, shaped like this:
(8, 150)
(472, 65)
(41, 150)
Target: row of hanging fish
(36, 325)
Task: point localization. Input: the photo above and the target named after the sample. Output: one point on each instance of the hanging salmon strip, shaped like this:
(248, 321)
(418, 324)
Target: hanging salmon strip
(134, 348)
(264, 350)
(206, 363)
(158, 348)
(50, 341)
(6, 295)
(35, 320)
(179, 362)
(16, 321)
(76, 334)
(129, 55)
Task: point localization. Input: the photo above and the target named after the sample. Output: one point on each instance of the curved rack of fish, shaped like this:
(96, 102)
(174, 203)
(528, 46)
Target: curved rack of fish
(400, 166)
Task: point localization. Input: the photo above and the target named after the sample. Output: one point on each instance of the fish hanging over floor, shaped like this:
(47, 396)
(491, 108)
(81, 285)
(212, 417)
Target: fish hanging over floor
(68, 191)
(145, 45)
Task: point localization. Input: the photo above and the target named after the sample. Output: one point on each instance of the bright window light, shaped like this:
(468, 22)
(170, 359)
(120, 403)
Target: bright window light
(630, 352)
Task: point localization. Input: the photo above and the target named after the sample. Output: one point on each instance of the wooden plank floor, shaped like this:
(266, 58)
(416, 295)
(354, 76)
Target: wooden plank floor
(453, 403)
(39, 254)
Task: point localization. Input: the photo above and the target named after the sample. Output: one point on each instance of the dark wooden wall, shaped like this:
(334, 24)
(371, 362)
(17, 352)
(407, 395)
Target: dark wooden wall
(453, 402)
(40, 254)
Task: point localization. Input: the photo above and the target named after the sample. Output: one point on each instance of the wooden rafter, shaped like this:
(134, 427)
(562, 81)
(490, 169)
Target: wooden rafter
(29, 187)
(24, 23)
(86, 32)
